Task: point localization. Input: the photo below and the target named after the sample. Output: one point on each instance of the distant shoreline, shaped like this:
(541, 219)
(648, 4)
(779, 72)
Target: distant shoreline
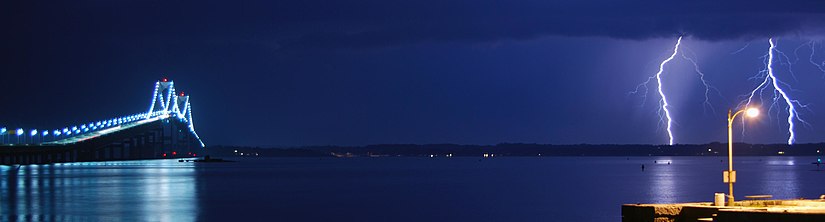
(522, 149)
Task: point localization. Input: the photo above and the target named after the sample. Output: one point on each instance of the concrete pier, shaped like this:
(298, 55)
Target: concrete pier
(742, 211)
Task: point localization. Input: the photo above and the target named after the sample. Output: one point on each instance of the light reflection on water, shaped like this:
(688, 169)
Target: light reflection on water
(778, 176)
(388, 189)
(154, 190)
(663, 182)
(782, 183)
(696, 178)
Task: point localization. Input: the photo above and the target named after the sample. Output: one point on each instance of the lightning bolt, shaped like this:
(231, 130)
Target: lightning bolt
(664, 111)
(770, 80)
(821, 65)
(663, 105)
(706, 104)
(741, 49)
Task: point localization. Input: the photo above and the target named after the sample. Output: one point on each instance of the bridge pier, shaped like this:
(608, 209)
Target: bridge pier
(141, 141)
(133, 153)
(123, 154)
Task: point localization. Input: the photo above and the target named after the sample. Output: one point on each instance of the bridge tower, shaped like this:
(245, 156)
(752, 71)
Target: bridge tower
(165, 131)
(162, 98)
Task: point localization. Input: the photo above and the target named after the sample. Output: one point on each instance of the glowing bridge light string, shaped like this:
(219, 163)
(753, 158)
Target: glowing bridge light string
(166, 104)
(769, 80)
(664, 112)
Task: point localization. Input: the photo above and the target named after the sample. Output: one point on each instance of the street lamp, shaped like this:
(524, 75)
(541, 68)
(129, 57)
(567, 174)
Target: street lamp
(33, 133)
(729, 176)
(3, 135)
(19, 132)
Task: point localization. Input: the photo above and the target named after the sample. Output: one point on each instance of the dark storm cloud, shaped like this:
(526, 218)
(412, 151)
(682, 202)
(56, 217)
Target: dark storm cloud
(370, 23)
(381, 23)
(65, 62)
(498, 20)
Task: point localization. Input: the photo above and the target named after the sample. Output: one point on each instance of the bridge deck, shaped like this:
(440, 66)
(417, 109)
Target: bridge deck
(91, 135)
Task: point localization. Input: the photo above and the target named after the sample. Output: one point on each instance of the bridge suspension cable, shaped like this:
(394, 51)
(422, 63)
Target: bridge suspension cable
(165, 104)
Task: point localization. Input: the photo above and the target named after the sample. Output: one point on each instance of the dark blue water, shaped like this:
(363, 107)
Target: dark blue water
(387, 189)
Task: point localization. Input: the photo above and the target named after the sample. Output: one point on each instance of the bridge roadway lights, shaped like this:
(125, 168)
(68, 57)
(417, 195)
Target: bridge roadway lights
(145, 141)
(138, 136)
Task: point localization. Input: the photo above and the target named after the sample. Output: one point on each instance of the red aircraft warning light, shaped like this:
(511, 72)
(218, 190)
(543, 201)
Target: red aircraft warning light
(164, 80)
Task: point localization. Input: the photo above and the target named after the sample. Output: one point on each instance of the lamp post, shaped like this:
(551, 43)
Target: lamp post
(33, 133)
(3, 135)
(19, 132)
(730, 175)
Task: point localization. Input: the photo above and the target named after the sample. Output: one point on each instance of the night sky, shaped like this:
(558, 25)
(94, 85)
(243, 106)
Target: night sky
(292, 73)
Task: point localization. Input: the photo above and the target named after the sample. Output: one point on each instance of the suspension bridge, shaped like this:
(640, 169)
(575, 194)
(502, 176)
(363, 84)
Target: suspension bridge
(166, 130)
